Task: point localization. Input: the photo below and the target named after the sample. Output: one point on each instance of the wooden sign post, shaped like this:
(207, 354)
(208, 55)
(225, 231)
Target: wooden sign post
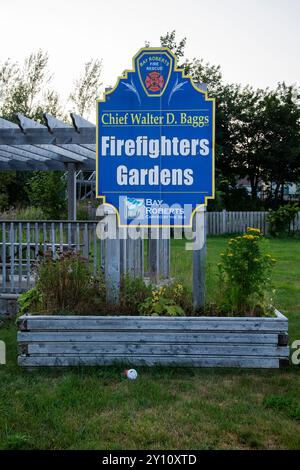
(159, 253)
(199, 258)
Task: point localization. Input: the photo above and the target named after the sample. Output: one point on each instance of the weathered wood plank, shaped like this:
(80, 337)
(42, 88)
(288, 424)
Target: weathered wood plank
(233, 361)
(153, 255)
(20, 260)
(155, 349)
(112, 264)
(154, 323)
(12, 257)
(28, 254)
(71, 190)
(277, 316)
(199, 258)
(3, 257)
(37, 136)
(142, 337)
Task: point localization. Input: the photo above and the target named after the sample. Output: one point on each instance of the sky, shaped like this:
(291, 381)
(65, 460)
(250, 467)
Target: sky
(256, 42)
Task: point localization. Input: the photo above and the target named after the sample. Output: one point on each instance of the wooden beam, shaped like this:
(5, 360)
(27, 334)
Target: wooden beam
(47, 147)
(199, 258)
(30, 156)
(71, 188)
(36, 136)
(79, 122)
(159, 253)
(113, 261)
(53, 123)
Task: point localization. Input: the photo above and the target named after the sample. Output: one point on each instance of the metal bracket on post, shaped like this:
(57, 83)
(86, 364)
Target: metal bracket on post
(199, 258)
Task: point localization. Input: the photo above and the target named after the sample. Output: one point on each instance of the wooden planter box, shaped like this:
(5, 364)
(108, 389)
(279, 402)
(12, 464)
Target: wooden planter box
(181, 341)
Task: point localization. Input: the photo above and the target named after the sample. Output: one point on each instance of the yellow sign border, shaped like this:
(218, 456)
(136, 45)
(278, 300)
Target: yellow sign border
(183, 75)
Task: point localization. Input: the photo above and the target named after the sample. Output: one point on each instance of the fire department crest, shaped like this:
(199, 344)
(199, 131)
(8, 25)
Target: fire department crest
(154, 69)
(154, 81)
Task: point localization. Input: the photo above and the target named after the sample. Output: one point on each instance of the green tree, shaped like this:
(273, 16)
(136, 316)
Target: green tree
(225, 94)
(47, 190)
(282, 133)
(87, 87)
(7, 183)
(257, 131)
(250, 137)
(24, 89)
(169, 40)
(27, 89)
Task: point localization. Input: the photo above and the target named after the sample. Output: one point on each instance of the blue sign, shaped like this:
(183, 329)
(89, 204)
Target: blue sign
(155, 143)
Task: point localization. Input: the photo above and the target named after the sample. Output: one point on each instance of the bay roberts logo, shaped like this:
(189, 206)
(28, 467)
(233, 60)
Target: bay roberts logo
(154, 69)
(135, 208)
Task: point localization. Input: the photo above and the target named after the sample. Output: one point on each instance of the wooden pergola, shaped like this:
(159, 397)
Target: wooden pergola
(55, 145)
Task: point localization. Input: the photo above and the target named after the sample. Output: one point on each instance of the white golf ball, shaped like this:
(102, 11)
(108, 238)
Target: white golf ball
(132, 374)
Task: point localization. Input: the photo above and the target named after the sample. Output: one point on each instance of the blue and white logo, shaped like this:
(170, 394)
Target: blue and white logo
(135, 208)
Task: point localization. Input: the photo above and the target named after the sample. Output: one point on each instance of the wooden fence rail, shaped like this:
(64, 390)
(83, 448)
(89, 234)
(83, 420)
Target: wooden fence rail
(22, 243)
(219, 223)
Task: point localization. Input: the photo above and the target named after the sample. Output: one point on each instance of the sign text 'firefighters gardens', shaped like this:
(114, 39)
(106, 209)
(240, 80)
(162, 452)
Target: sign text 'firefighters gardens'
(155, 143)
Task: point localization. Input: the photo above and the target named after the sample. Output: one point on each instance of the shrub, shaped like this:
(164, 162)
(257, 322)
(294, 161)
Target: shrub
(65, 285)
(23, 213)
(138, 298)
(244, 275)
(30, 213)
(30, 301)
(4, 201)
(134, 291)
(62, 281)
(181, 296)
(47, 190)
(82, 212)
(86, 210)
(281, 219)
(159, 303)
(160, 306)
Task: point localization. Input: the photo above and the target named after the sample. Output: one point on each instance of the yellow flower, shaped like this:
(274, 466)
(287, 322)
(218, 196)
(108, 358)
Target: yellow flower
(253, 230)
(222, 254)
(249, 237)
(230, 254)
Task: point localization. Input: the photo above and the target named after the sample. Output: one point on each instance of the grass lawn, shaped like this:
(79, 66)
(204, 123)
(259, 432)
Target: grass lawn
(165, 408)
